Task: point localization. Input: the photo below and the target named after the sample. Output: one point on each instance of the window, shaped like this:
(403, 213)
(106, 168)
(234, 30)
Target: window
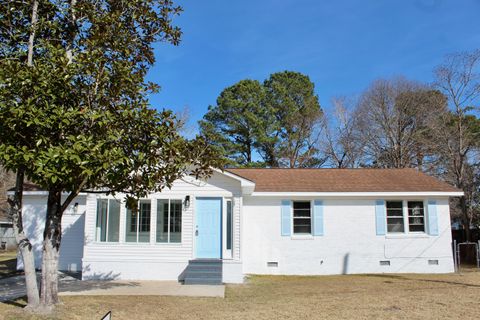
(108, 220)
(138, 223)
(302, 217)
(416, 217)
(405, 216)
(229, 225)
(395, 216)
(169, 221)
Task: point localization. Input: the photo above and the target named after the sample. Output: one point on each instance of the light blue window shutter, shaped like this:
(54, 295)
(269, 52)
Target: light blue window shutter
(380, 219)
(432, 218)
(318, 218)
(286, 217)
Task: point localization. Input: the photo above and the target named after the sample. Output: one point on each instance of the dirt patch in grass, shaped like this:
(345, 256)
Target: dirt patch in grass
(8, 264)
(382, 296)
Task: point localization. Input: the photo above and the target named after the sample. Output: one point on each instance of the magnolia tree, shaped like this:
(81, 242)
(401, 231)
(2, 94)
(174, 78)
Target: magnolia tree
(74, 114)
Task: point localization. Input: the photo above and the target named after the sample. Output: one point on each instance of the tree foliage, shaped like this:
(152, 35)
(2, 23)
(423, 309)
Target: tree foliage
(77, 117)
(394, 121)
(236, 122)
(277, 121)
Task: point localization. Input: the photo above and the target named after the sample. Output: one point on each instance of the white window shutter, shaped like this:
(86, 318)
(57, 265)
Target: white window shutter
(380, 219)
(318, 218)
(286, 218)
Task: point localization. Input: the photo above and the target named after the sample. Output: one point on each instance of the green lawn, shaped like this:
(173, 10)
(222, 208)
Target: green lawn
(451, 296)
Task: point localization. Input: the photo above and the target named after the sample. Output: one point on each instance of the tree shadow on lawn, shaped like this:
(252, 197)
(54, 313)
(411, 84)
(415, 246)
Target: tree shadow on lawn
(19, 302)
(8, 268)
(72, 282)
(404, 277)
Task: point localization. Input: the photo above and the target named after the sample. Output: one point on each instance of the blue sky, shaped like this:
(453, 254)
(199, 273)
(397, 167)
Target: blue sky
(342, 45)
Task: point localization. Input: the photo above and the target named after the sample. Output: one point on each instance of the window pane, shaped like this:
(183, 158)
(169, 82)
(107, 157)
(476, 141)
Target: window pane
(113, 220)
(415, 208)
(176, 221)
(301, 213)
(394, 205)
(301, 205)
(394, 212)
(101, 230)
(416, 221)
(144, 222)
(162, 220)
(302, 229)
(302, 220)
(417, 228)
(229, 225)
(395, 225)
(131, 226)
(395, 221)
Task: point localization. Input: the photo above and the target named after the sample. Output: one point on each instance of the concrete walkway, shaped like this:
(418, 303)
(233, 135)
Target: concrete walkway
(14, 287)
(141, 288)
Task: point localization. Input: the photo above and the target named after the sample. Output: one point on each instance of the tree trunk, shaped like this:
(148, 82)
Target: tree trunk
(24, 245)
(31, 37)
(51, 247)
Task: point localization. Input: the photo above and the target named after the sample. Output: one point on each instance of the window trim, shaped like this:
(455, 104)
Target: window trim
(403, 217)
(182, 208)
(406, 224)
(292, 219)
(137, 232)
(107, 220)
(424, 216)
(227, 253)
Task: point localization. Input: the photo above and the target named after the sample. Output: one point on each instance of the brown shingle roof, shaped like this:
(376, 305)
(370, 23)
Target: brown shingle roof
(28, 186)
(342, 180)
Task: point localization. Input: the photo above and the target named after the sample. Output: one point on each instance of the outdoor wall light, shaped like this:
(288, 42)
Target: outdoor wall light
(75, 208)
(187, 201)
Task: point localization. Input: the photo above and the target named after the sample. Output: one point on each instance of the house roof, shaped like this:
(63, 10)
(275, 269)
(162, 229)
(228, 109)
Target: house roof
(28, 186)
(342, 180)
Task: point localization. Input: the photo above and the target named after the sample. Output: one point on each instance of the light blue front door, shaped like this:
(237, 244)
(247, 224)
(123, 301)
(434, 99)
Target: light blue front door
(208, 227)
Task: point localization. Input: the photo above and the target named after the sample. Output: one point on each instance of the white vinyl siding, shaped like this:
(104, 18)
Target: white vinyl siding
(125, 259)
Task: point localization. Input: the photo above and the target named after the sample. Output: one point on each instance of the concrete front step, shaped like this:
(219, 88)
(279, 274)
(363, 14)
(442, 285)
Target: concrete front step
(210, 281)
(203, 271)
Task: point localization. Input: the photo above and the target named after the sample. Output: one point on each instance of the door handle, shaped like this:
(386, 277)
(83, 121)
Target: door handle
(196, 231)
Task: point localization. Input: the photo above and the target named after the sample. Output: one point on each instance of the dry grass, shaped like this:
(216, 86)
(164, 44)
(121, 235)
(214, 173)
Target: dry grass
(453, 296)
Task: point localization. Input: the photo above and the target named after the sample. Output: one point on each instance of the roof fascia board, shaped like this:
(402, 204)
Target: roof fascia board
(247, 186)
(44, 193)
(358, 194)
